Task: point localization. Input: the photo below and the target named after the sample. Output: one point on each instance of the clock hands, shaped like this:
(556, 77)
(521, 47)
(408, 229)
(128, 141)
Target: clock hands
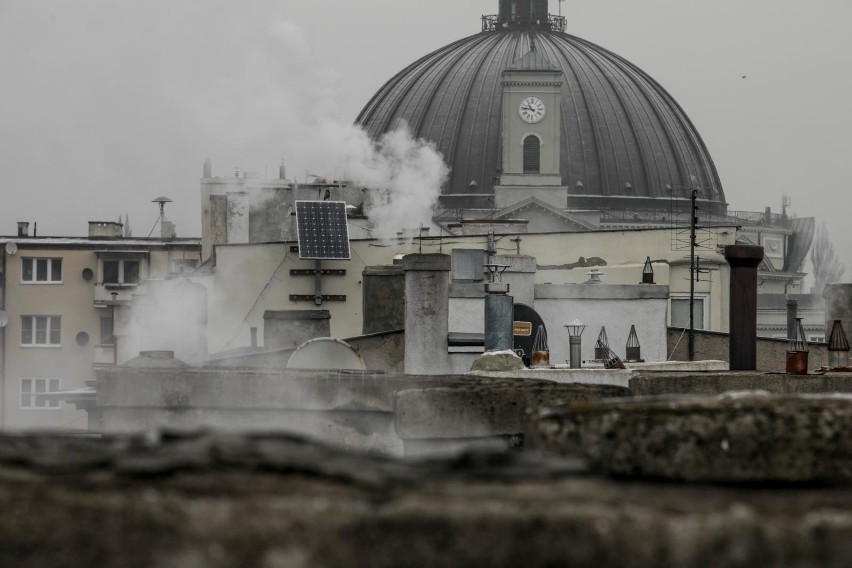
(531, 110)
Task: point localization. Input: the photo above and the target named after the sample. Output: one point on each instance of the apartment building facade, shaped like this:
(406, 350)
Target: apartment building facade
(60, 298)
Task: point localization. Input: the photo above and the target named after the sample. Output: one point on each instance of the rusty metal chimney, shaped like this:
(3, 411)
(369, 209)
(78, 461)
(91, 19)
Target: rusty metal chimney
(601, 345)
(633, 351)
(541, 350)
(797, 352)
(838, 347)
(648, 272)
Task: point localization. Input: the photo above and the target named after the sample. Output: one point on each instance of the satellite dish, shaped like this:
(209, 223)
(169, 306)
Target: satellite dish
(326, 353)
(4, 318)
(87, 274)
(11, 248)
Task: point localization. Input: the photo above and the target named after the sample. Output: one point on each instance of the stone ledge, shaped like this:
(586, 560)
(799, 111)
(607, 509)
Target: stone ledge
(744, 437)
(275, 502)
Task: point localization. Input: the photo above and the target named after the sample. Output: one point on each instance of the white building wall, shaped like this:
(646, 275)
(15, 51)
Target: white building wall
(615, 307)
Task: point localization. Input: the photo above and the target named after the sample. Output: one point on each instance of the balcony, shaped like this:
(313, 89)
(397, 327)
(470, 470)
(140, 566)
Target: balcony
(114, 294)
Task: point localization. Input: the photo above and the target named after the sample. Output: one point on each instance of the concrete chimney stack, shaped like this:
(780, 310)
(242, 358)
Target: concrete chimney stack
(23, 228)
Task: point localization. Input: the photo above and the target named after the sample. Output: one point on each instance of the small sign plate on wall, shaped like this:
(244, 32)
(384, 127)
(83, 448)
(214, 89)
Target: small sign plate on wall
(522, 328)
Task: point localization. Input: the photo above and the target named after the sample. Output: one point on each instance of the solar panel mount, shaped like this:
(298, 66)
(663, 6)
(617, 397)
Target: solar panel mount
(322, 230)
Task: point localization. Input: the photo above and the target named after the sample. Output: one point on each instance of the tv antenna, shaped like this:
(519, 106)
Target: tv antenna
(161, 201)
(698, 238)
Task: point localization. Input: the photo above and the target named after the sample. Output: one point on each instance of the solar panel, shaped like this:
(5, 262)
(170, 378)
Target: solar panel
(322, 229)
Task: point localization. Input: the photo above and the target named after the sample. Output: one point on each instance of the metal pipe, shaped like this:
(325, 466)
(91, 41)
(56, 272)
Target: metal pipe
(575, 352)
(318, 282)
(2, 342)
(792, 313)
(692, 238)
(499, 308)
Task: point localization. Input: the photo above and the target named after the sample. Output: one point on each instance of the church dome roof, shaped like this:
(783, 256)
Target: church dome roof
(624, 139)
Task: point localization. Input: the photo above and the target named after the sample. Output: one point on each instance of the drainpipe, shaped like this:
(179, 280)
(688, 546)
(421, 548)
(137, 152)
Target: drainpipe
(3, 342)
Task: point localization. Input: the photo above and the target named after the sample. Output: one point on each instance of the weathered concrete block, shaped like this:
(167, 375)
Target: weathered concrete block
(484, 408)
(734, 438)
(383, 298)
(498, 361)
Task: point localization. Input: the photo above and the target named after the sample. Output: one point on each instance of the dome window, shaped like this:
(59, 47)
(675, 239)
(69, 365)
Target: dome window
(532, 155)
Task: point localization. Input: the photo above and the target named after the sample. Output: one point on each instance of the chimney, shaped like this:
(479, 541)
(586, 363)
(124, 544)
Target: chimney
(208, 168)
(167, 230)
(23, 228)
(105, 230)
(282, 171)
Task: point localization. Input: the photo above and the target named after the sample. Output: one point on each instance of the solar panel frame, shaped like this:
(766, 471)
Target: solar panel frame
(322, 230)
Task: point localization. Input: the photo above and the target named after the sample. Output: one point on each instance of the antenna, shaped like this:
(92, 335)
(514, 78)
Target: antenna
(161, 201)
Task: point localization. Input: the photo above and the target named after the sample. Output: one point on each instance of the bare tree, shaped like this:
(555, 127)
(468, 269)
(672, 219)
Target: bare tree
(827, 266)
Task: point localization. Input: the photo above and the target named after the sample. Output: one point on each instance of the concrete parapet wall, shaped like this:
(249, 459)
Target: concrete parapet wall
(223, 501)
(714, 383)
(483, 408)
(742, 438)
(714, 345)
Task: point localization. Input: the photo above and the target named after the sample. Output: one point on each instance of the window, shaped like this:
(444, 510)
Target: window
(121, 272)
(183, 266)
(680, 312)
(41, 270)
(532, 155)
(107, 337)
(468, 265)
(40, 330)
(31, 388)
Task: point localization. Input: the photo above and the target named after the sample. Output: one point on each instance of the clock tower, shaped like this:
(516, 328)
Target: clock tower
(532, 117)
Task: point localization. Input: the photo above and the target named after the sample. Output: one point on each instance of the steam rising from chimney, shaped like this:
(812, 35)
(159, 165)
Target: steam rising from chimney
(405, 175)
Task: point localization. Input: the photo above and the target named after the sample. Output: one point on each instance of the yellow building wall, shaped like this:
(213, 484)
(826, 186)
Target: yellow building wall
(74, 300)
(252, 278)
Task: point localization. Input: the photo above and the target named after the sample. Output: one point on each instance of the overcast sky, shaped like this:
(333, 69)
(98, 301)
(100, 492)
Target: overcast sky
(107, 104)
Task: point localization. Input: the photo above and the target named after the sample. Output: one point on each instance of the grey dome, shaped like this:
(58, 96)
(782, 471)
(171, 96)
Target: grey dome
(624, 138)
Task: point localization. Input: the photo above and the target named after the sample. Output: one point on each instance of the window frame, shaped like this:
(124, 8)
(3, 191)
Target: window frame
(48, 331)
(51, 263)
(121, 272)
(31, 394)
(107, 324)
(703, 297)
(537, 170)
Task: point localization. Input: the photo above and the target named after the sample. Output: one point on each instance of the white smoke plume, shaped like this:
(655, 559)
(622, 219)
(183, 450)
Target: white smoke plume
(404, 175)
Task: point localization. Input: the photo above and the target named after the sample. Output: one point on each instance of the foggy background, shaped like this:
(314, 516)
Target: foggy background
(107, 104)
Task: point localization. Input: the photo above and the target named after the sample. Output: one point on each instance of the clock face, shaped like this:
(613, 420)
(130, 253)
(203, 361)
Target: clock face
(531, 110)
